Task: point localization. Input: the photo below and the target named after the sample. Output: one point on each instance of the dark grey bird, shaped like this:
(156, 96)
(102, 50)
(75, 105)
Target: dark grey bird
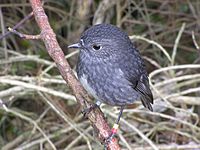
(111, 69)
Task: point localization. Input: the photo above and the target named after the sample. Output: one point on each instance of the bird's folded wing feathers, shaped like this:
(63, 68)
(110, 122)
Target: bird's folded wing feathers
(143, 88)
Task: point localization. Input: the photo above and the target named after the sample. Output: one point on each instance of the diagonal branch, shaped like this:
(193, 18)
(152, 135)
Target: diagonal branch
(96, 117)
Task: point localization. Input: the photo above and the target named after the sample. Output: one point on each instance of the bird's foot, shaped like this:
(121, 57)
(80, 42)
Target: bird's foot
(109, 139)
(111, 136)
(86, 111)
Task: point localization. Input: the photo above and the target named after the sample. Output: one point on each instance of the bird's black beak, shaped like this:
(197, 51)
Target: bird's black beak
(76, 45)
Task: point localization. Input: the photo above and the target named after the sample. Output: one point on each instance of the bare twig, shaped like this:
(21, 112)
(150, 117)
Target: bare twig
(176, 43)
(145, 138)
(154, 43)
(21, 138)
(29, 120)
(18, 25)
(99, 15)
(10, 91)
(36, 87)
(25, 36)
(195, 42)
(3, 32)
(191, 146)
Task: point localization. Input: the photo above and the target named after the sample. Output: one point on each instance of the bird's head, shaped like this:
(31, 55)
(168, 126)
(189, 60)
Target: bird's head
(102, 41)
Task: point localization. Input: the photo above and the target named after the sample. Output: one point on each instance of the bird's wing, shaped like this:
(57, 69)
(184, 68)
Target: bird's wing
(143, 88)
(136, 74)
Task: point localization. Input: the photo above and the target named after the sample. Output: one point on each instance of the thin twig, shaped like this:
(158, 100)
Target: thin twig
(145, 138)
(24, 36)
(152, 42)
(29, 120)
(176, 43)
(37, 88)
(63, 115)
(192, 146)
(195, 42)
(17, 25)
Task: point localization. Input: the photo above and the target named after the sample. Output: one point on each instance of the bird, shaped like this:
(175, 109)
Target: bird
(111, 68)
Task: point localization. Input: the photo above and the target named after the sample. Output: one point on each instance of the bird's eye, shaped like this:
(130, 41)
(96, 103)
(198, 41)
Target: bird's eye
(96, 47)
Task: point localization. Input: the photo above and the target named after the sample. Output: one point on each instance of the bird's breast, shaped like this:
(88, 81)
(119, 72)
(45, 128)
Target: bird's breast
(84, 81)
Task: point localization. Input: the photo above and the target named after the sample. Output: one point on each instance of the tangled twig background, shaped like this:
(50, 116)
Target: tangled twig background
(167, 34)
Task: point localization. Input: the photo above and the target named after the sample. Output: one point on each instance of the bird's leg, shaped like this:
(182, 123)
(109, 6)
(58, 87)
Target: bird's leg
(115, 127)
(89, 109)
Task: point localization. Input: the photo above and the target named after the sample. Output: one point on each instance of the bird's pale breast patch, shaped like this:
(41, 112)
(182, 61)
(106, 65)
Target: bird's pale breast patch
(83, 79)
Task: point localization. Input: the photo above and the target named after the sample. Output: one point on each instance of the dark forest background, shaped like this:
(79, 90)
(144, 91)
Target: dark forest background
(167, 33)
